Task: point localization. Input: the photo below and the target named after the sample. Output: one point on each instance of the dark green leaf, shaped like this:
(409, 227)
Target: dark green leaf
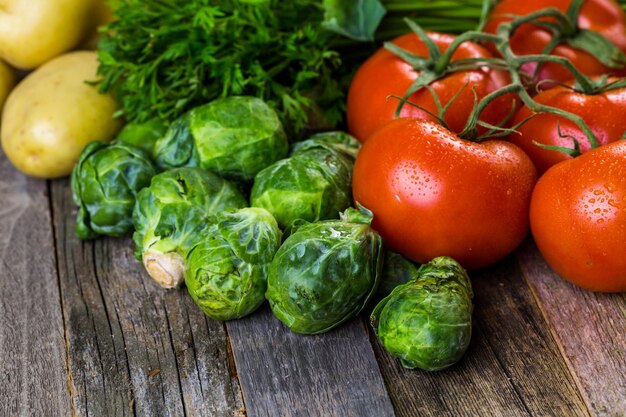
(356, 19)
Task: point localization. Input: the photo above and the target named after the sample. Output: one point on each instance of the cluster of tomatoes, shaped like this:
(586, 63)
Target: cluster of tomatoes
(435, 193)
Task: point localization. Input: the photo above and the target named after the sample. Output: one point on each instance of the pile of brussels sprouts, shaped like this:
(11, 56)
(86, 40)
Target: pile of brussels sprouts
(219, 199)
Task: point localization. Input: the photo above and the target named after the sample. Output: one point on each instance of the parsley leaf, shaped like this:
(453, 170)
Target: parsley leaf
(164, 57)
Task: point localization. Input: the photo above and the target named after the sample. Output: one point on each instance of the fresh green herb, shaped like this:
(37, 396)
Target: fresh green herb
(164, 57)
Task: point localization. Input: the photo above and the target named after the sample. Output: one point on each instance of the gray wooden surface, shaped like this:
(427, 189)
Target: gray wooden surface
(84, 332)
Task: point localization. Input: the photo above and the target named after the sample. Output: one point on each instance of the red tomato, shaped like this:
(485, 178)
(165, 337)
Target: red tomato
(603, 16)
(600, 112)
(578, 218)
(385, 74)
(434, 194)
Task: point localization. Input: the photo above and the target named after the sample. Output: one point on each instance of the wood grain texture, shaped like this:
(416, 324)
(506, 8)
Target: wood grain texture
(285, 374)
(520, 338)
(32, 349)
(512, 368)
(590, 329)
(134, 348)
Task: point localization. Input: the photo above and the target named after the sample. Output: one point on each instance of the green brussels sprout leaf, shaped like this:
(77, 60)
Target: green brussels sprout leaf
(427, 322)
(170, 213)
(324, 274)
(105, 183)
(397, 270)
(143, 135)
(235, 137)
(314, 183)
(334, 141)
(226, 271)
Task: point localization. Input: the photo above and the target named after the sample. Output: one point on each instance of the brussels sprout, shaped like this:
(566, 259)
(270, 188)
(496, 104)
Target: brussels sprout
(105, 182)
(226, 271)
(427, 322)
(314, 183)
(235, 137)
(170, 212)
(143, 135)
(333, 141)
(397, 270)
(325, 273)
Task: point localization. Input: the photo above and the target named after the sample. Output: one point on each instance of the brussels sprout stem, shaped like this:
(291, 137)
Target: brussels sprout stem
(167, 269)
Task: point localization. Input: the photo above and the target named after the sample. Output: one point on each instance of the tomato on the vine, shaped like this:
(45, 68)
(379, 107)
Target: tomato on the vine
(578, 218)
(599, 112)
(385, 74)
(603, 16)
(434, 194)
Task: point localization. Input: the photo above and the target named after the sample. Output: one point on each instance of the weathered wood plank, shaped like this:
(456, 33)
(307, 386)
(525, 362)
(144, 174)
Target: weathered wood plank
(521, 339)
(512, 368)
(134, 348)
(590, 329)
(286, 374)
(33, 377)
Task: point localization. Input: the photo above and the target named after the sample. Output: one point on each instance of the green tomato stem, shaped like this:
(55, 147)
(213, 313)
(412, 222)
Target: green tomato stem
(505, 32)
(444, 61)
(572, 13)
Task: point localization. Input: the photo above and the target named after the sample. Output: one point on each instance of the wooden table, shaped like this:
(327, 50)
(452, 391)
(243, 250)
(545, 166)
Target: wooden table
(85, 332)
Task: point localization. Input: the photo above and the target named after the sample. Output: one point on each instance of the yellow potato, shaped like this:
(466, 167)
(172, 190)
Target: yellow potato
(34, 31)
(53, 114)
(101, 14)
(7, 81)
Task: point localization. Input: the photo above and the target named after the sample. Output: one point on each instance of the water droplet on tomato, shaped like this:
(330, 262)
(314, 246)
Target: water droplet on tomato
(600, 221)
(611, 188)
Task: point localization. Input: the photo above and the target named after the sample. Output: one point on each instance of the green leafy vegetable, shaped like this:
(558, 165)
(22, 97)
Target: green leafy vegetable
(397, 270)
(356, 19)
(105, 182)
(325, 273)
(314, 183)
(226, 271)
(427, 322)
(170, 213)
(165, 57)
(235, 137)
(450, 16)
(143, 135)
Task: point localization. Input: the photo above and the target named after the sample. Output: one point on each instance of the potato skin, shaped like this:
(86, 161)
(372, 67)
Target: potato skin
(53, 114)
(35, 31)
(8, 77)
(101, 14)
